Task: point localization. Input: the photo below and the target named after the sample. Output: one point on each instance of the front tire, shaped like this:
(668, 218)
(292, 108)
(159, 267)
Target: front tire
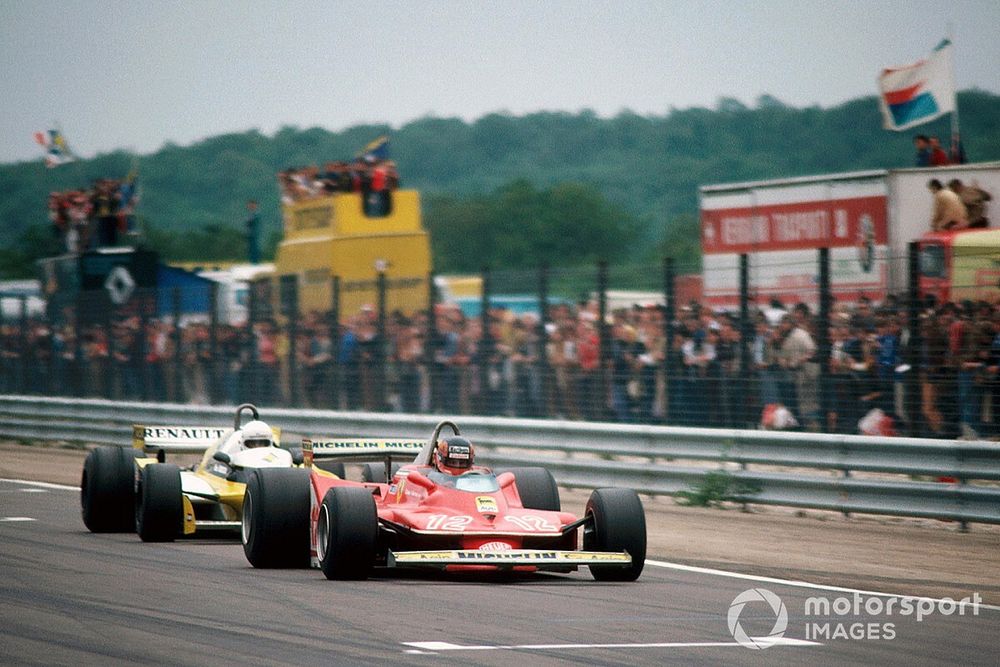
(159, 515)
(275, 523)
(617, 523)
(346, 533)
(107, 490)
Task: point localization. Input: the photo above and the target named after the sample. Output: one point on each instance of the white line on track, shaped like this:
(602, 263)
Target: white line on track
(654, 563)
(42, 485)
(15, 519)
(793, 582)
(420, 647)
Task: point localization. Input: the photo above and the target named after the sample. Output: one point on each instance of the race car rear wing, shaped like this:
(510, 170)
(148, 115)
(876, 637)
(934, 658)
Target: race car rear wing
(358, 449)
(176, 438)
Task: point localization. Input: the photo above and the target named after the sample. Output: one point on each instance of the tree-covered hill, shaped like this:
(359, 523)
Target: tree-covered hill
(640, 174)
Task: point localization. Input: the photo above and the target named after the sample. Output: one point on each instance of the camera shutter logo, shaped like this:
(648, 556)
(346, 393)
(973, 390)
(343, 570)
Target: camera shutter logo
(757, 595)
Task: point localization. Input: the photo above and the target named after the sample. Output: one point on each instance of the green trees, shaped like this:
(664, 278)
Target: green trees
(520, 226)
(505, 190)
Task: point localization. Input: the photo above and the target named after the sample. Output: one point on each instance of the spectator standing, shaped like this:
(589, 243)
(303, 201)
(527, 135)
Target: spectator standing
(588, 350)
(698, 354)
(253, 232)
(939, 158)
(922, 144)
(318, 369)
(349, 361)
(796, 357)
(409, 354)
(267, 376)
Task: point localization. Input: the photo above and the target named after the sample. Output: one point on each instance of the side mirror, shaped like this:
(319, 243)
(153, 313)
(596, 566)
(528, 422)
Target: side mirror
(297, 456)
(505, 479)
(222, 457)
(419, 479)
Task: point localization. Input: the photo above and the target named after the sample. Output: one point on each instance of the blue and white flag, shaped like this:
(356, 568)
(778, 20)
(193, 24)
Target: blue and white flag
(915, 94)
(56, 149)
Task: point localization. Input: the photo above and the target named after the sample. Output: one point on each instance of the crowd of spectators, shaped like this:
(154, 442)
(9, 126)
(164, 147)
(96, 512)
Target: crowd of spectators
(94, 217)
(373, 178)
(522, 369)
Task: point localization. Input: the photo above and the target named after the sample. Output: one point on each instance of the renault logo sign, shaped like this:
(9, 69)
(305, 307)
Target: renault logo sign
(119, 284)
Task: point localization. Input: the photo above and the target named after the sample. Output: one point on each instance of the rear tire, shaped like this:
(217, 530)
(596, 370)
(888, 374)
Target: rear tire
(346, 533)
(107, 490)
(375, 472)
(336, 467)
(537, 488)
(617, 523)
(275, 523)
(159, 515)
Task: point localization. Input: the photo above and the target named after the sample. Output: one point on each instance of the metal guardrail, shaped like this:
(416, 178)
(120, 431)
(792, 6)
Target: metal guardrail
(816, 471)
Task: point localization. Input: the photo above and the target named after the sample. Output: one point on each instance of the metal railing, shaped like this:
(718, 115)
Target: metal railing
(953, 480)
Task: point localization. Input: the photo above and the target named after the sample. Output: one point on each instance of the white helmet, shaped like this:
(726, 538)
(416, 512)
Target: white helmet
(257, 434)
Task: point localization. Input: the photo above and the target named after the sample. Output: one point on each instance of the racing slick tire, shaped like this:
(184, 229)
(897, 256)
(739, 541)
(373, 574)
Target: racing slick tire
(107, 490)
(346, 533)
(159, 509)
(537, 488)
(275, 523)
(336, 467)
(617, 523)
(375, 472)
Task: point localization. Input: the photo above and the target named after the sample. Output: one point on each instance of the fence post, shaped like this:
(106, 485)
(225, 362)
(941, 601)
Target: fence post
(381, 346)
(55, 385)
(110, 365)
(334, 324)
(604, 343)
(77, 371)
(747, 332)
(485, 351)
(912, 385)
(668, 333)
(142, 345)
(22, 343)
(212, 369)
(289, 297)
(543, 353)
(431, 343)
(178, 396)
(823, 336)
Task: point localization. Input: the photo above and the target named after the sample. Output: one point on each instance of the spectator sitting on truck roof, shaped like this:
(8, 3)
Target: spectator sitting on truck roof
(949, 211)
(975, 199)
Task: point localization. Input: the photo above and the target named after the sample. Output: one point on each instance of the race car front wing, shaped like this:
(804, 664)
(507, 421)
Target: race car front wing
(537, 558)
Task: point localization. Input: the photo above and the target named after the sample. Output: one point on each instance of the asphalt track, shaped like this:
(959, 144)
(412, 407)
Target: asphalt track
(69, 597)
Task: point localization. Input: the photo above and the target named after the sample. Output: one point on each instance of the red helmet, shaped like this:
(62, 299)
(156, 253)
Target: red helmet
(453, 455)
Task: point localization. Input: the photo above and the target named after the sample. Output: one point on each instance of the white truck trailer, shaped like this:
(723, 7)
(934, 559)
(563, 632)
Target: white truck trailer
(866, 218)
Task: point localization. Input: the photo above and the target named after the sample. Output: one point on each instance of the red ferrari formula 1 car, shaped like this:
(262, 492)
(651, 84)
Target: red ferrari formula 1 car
(441, 511)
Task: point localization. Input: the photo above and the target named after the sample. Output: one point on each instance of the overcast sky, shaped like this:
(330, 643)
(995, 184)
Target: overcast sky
(134, 75)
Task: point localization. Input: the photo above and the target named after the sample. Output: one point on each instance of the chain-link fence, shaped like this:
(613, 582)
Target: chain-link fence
(612, 343)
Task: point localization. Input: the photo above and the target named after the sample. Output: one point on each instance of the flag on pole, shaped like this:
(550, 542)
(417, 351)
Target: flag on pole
(57, 151)
(918, 93)
(377, 149)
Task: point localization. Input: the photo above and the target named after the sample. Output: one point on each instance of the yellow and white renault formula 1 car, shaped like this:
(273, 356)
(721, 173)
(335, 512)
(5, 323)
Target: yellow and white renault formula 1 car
(125, 490)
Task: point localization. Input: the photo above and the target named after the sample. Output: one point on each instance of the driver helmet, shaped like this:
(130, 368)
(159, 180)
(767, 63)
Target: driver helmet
(257, 434)
(453, 455)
